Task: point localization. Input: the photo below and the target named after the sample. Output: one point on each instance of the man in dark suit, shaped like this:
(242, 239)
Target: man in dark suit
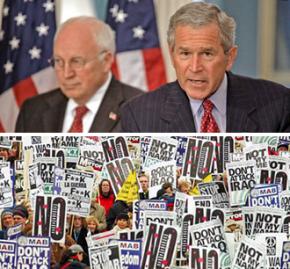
(207, 97)
(89, 97)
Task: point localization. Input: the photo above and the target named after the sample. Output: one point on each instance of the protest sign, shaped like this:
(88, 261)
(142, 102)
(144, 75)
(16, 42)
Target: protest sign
(199, 158)
(224, 146)
(179, 207)
(140, 207)
(274, 244)
(7, 254)
(258, 153)
(267, 220)
(218, 192)
(199, 201)
(250, 255)
(204, 258)
(133, 234)
(159, 174)
(162, 149)
(248, 217)
(134, 149)
(265, 195)
(277, 172)
(77, 186)
(65, 141)
(39, 144)
(100, 239)
(180, 149)
(50, 217)
(166, 217)
(131, 252)
(285, 260)
(118, 162)
(105, 257)
(19, 178)
(159, 246)
(6, 185)
(211, 234)
(285, 201)
(144, 147)
(185, 238)
(33, 253)
(59, 154)
(241, 179)
(47, 166)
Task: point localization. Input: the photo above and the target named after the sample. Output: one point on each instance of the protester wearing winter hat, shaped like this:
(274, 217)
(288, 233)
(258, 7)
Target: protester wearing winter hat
(7, 218)
(21, 216)
(73, 258)
(6, 222)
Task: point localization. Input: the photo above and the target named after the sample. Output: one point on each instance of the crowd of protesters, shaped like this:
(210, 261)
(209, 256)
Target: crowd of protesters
(106, 213)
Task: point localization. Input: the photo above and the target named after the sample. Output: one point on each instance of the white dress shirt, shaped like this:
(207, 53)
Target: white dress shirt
(219, 99)
(93, 106)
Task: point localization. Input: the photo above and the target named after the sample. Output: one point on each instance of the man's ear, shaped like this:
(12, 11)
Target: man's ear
(108, 61)
(231, 57)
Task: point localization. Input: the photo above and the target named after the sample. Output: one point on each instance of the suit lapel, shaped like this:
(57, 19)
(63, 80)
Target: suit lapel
(54, 115)
(241, 106)
(108, 114)
(176, 112)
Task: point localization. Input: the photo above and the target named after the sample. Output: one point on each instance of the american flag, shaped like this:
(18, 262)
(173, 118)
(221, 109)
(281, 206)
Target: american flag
(139, 60)
(26, 39)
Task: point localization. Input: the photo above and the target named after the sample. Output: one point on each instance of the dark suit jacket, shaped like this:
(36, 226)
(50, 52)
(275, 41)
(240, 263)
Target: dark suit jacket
(45, 112)
(253, 105)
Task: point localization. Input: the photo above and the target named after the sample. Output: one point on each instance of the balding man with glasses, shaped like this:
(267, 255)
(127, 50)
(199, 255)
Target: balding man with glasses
(89, 97)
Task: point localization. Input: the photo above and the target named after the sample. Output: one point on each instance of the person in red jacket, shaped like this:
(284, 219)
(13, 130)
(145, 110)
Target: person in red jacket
(106, 197)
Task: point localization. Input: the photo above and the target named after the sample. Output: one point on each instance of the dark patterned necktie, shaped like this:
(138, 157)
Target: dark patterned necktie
(77, 125)
(208, 123)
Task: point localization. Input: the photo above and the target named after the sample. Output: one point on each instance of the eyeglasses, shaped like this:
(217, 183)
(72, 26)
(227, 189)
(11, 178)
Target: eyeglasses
(75, 63)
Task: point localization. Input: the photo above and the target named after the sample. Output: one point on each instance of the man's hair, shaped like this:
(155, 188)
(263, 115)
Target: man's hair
(201, 14)
(104, 35)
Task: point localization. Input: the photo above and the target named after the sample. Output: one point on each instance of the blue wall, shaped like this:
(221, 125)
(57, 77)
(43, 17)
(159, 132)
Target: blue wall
(245, 13)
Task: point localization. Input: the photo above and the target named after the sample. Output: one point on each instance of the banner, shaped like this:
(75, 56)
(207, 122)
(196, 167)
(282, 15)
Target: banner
(159, 246)
(7, 254)
(204, 258)
(250, 255)
(105, 257)
(6, 190)
(241, 178)
(131, 253)
(199, 158)
(118, 162)
(50, 217)
(33, 252)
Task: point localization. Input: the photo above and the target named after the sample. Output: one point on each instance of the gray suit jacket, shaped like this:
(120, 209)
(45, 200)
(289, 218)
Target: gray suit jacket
(253, 105)
(45, 112)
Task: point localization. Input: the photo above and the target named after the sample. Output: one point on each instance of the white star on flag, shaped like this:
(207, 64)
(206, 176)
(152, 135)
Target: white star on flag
(48, 5)
(5, 11)
(114, 11)
(138, 32)
(42, 29)
(20, 19)
(121, 16)
(2, 35)
(35, 53)
(14, 43)
(8, 67)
